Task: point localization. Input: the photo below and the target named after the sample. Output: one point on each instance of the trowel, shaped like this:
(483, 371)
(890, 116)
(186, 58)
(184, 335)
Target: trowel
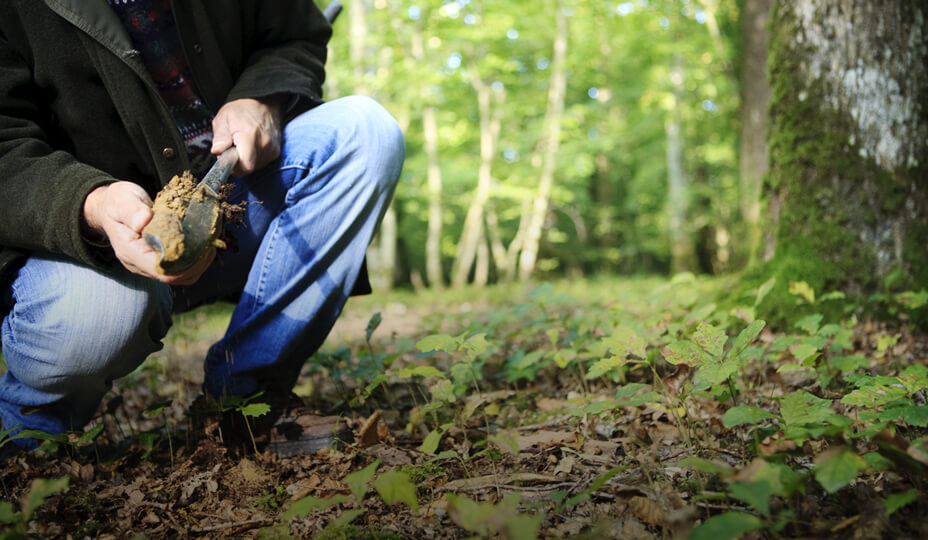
(201, 222)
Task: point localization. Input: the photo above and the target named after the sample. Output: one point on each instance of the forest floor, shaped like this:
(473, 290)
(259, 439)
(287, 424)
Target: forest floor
(604, 408)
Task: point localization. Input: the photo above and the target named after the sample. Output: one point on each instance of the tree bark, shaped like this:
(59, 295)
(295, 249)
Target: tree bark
(472, 232)
(433, 240)
(548, 147)
(755, 97)
(849, 143)
(681, 245)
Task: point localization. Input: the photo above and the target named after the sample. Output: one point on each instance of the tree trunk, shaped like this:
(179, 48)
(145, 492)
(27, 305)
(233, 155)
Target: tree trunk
(472, 232)
(604, 230)
(433, 241)
(681, 245)
(357, 27)
(849, 143)
(755, 97)
(548, 147)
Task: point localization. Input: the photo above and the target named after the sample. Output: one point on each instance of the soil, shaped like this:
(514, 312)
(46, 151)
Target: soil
(169, 209)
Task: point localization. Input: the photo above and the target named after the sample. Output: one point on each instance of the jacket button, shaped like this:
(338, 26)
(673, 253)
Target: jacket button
(168, 153)
(197, 48)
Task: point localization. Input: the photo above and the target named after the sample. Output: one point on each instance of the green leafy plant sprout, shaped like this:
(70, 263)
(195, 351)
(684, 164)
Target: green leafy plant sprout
(16, 523)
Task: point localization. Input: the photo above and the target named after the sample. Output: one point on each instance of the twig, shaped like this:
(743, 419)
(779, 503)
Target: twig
(245, 525)
(185, 464)
(510, 487)
(710, 506)
(676, 454)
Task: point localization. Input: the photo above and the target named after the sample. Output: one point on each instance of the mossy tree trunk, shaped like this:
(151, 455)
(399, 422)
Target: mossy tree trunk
(847, 189)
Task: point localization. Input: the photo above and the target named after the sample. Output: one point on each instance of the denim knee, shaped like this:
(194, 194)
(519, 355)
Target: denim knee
(362, 133)
(74, 330)
(381, 141)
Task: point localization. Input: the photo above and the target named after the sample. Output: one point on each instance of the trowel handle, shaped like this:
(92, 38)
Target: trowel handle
(220, 170)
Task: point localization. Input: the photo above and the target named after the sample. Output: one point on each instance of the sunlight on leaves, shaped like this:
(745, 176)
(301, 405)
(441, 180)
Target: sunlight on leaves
(438, 342)
(803, 290)
(625, 341)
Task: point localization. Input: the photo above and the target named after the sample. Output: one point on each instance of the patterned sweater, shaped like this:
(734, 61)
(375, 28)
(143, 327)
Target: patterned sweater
(153, 31)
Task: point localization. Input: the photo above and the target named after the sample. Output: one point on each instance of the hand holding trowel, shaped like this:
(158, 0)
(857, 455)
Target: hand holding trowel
(187, 217)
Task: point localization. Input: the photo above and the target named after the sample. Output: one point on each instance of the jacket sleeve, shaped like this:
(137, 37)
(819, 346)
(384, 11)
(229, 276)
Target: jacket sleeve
(42, 190)
(287, 52)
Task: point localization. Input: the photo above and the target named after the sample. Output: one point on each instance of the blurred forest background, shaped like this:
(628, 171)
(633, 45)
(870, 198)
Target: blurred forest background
(553, 138)
(566, 138)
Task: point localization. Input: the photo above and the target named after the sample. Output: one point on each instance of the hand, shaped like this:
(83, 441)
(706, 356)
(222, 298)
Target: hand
(253, 127)
(120, 211)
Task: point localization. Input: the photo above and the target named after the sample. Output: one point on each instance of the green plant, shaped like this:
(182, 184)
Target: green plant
(15, 523)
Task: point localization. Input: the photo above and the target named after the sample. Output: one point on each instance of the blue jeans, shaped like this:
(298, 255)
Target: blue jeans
(72, 330)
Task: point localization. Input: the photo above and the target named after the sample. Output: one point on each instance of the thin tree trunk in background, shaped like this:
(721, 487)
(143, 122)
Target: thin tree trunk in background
(472, 232)
(515, 247)
(755, 97)
(433, 240)
(681, 246)
(548, 146)
(497, 248)
(603, 230)
(382, 251)
(710, 7)
(482, 266)
(357, 27)
(433, 270)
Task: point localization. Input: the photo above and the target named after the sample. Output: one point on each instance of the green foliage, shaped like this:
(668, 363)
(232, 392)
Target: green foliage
(486, 519)
(838, 469)
(358, 481)
(15, 524)
(898, 500)
(611, 167)
(793, 436)
(395, 486)
(725, 526)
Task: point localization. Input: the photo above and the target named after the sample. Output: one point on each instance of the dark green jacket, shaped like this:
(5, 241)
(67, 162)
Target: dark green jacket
(78, 108)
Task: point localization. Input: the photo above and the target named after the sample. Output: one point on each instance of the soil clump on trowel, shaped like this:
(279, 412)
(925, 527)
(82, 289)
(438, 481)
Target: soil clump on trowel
(170, 207)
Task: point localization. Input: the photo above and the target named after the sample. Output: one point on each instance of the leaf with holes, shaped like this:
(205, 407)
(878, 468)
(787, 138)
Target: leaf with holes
(710, 338)
(684, 352)
(624, 341)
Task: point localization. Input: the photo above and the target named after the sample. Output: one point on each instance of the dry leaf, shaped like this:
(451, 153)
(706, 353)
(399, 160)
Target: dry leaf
(303, 487)
(546, 439)
(565, 466)
(675, 381)
(369, 434)
(647, 510)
